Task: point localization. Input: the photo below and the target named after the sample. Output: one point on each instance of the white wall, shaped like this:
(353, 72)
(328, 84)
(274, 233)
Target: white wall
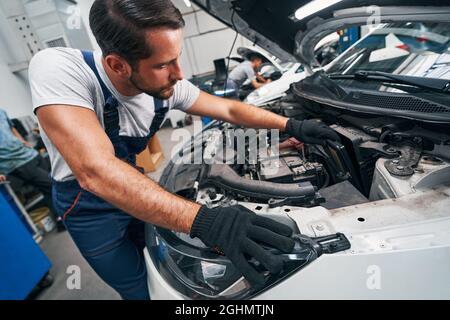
(85, 7)
(15, 95)
(205, 40)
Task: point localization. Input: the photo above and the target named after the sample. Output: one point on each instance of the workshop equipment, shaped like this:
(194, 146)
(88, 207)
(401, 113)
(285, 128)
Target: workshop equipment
(23, 263)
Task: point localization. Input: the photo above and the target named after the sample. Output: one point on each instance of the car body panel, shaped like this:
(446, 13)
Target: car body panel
(399, 251)
(275, 89)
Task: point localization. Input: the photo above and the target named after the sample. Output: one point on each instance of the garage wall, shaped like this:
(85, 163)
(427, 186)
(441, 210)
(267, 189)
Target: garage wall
(15, 97)
(205, 40)
(85, 7)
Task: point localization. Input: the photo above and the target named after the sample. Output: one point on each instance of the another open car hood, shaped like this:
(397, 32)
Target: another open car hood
(246, 51)
(273, 26)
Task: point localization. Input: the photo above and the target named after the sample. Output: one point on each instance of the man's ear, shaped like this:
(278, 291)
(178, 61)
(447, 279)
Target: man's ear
(118, 65)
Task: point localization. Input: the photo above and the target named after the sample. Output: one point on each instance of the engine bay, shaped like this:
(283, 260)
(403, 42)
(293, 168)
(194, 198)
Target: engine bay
(377, 158)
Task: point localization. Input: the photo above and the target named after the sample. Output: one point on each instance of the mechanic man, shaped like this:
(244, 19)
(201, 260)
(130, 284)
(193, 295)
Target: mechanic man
(18, 159)
(98, 111)
(246, 70)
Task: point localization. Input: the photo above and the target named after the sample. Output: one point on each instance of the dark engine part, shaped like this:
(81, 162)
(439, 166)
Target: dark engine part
(342, 194)
(358, 154)
(291, 168)
(276, 194)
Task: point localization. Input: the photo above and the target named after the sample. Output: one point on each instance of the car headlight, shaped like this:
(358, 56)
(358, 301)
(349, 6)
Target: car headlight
(197, 272)
(192, 269)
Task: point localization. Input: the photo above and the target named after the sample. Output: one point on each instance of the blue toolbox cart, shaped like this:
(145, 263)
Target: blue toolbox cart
(22, 262)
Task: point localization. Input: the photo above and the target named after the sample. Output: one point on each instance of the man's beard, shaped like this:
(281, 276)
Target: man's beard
(162, 93)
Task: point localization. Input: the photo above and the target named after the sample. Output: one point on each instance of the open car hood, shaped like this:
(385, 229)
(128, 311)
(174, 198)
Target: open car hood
(246, 51)
(273, 24)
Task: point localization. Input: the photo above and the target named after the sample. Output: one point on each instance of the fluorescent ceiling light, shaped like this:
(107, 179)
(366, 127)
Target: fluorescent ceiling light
(313, 7)
(187, 3)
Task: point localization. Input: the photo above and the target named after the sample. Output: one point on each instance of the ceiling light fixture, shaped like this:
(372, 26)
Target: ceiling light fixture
(313, 7)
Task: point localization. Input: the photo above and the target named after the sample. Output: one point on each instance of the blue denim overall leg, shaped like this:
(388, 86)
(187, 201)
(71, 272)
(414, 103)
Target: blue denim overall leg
(111, 240)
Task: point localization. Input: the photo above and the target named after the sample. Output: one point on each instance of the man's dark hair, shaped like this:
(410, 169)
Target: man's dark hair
(120, 25)
(255, 56)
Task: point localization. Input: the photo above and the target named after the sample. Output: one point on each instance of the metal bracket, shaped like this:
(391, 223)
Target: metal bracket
(404, 164)
(382, 148)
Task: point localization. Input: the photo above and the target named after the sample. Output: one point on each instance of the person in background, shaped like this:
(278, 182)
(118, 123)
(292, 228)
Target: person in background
(18, 159)
(246, 70)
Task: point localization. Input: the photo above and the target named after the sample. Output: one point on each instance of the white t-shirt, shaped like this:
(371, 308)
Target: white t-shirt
(61, 76)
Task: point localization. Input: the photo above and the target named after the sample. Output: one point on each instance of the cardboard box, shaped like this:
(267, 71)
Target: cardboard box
(152, 157)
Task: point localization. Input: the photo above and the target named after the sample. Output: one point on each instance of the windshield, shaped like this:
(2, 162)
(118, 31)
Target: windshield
(405, 48)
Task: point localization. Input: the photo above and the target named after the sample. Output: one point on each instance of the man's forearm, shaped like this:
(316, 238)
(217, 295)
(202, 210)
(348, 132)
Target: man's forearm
(253, 117)
(123, 186)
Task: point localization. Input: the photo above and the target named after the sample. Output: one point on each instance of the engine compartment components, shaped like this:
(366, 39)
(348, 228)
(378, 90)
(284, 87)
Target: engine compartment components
(430, 171)
(290, 168)
(225, 178)
(376, 158)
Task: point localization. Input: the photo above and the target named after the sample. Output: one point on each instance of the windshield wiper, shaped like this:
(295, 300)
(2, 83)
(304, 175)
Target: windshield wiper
(440, 85)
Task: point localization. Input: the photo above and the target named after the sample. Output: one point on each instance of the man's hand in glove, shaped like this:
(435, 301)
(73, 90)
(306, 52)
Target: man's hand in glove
(311, 131)
(236, 231)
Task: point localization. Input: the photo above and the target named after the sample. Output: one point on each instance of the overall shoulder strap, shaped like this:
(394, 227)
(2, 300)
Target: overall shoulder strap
(88, 57)
(110, 112)
(159, 104)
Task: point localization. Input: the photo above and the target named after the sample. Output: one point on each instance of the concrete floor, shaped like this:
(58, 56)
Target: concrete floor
(63, 253)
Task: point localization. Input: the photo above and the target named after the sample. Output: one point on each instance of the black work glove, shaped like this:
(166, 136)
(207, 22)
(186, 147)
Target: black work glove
(235, 231)
(311, 131)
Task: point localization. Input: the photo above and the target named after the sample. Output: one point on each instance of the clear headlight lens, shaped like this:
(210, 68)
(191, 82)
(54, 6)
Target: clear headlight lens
(199, 273)
(192, 269)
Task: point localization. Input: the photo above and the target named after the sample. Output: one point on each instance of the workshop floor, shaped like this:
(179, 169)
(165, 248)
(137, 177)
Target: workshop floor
(62, 252)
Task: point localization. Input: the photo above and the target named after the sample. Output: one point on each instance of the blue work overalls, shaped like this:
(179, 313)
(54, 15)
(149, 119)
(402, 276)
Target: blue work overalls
(110, 240)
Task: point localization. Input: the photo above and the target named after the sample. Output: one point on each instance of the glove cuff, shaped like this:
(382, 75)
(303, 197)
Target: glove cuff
(203, 222)
(289, 126)
(294, 127)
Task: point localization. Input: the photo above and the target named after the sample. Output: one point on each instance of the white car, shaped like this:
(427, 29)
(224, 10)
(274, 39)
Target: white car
(371, 213)
(276, 89)
(293, 72)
